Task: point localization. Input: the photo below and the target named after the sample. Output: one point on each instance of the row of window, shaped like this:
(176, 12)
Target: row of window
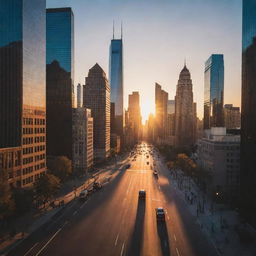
(31, 179)
(39, 166)
(37, 121)
(30, 140)
(33, 131)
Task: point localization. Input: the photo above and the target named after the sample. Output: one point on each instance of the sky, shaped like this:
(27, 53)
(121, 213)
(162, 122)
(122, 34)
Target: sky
(158, 35)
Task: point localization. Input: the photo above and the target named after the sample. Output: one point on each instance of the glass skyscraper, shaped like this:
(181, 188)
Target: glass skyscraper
(22, 84)
(59, 80)
(116, 82)
(214, 91)
(248, 113)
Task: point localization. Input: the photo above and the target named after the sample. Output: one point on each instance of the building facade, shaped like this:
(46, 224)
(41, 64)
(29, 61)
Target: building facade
(82, 140)
(219, 154)
(184, 111)
(232, 116)
(96, 96)
(214, 91)
(116, 83)
(248, 113)
(134, 115)
(161, 102)
(22, 86)
(79, 96)
(59, 80)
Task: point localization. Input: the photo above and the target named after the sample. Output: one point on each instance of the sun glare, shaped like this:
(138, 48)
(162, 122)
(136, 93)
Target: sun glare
(147, 108)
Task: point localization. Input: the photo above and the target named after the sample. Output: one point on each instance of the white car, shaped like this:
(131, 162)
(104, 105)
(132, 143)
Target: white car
(83, 194)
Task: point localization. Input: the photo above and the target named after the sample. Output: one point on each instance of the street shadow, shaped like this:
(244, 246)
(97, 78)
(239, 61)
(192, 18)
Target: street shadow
(136, 242)
(163, 237)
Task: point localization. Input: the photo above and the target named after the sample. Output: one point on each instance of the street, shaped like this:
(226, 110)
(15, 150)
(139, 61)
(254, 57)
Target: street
(113, 221)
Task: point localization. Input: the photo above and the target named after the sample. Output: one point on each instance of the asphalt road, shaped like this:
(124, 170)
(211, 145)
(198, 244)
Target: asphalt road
(113, 221)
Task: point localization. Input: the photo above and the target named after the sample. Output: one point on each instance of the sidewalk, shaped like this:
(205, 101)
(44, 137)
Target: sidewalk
(217, 221)
(28, 223)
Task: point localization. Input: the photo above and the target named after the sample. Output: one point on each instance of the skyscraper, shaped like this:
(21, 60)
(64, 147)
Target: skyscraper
(59, 80)
(79, 96)
(134, 114)
(96, 96)
(214, 91)
(116, 82)
(248, 112)
(232, 116)
(184, 110)
(22, 85)
(161, 102)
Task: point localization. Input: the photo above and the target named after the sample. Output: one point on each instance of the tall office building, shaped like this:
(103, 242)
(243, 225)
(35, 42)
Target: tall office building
(214, 91)
(79, 96)
(161, 102)
(232, 116)
(134, 115)
(184, 110)
(59, 81)
(116, 82)
(82, 140)
(22, 86)
(96, 96)
(248, 113)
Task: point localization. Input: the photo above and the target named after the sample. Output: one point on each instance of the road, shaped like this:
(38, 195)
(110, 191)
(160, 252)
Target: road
(114, 222)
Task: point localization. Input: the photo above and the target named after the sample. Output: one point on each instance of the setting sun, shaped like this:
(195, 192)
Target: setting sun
(147, 108)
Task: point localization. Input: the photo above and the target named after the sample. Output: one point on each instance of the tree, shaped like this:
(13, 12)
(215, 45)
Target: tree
(23, 200)
(7, 205)
(60, 167)
(46, 187)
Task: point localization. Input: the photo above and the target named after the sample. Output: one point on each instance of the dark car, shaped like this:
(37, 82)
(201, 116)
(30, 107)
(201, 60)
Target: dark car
(160, 214)
(155, 173)
(128, 166)
(142, 194)
(97, 185)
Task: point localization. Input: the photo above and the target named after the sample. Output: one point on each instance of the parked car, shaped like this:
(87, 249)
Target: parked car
(155, 173)
(128, 166)
(83, 194)
(160, 214)
(142, 194)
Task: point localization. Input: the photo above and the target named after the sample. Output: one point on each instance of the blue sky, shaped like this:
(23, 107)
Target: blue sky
(158, 35)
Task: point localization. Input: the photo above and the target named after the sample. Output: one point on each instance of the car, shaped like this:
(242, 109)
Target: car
(97, 185)
(83, 194)
(128, 166)
(155, 173)
(147, 162)
(160, 214)
(142, 194)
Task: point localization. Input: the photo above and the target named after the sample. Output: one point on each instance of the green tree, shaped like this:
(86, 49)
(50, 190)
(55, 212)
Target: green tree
(7, 205)
(61, 167)
(46, 187)
(23, 199)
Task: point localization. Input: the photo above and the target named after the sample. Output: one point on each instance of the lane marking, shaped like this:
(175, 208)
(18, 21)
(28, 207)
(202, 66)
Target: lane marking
(116, 239)
(66, 222)
(177, 251)
(122, 250)
(175, 237)
(74, 213)
(31, 249)
(55, 234)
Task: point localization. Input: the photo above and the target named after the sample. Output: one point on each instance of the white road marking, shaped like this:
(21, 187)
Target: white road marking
(122, 250)
(74, 213)
(175, 237)
(177, 251)
(158, 200)
(55, 234)
(66, 222)
(159, 187)
(116, 239)
(31, 249)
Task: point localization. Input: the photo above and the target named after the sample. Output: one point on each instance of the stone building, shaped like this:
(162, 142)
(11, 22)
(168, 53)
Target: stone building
(96, 96)
(232, 116)
(82, 140)
(184, 111)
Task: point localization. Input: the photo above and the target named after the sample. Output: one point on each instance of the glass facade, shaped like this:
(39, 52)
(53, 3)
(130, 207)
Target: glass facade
(248, 113)
(116, 82)
(214, 91)
(59, 80)
(22, 83)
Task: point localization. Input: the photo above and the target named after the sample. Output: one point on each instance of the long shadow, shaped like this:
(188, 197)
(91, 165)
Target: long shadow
(199, 243)
(135, 246)
(163, 237)
(43, 233)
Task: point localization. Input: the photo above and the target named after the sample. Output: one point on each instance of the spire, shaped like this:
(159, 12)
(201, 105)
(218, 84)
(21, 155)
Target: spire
(185, 62)
(113, 29)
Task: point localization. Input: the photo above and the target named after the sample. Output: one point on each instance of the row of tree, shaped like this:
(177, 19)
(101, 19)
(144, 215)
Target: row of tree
(17, 201)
